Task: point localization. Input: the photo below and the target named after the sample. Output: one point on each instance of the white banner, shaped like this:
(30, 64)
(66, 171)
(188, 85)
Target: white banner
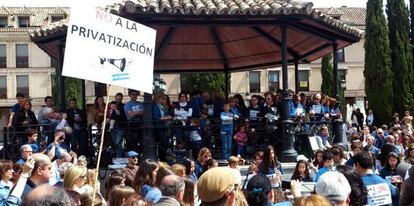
(106, 48)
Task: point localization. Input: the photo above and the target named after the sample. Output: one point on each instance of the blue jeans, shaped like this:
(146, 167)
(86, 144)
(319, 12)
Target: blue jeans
(240, 149)
(226, 141)
(117, 135)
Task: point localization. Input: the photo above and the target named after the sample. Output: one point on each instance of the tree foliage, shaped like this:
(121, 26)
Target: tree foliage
(203, 82)
(377, 72)
(401, 56)
(72, 90)
(327, 75)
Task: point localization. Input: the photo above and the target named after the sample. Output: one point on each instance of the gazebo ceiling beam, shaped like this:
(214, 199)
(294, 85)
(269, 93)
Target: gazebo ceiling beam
(219, 47)
(223, 59)
(275, 41)
(330, 36)
(220, 70)
(164, 42)
(318, 49)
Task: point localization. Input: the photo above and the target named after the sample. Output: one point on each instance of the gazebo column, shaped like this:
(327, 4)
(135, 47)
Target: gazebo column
(83, 95)
(61, 79)
(335, 67)
(288, 153)
(337, 124)
(149, 150)
(296, 76)
(226, 83)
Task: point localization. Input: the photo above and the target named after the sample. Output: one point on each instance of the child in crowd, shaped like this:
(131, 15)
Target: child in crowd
(180, 153)
(234, 166)
(195, 137)
(210, 163)
(302, 172)
(226, 131)
(241, 140)
(190, 170)
(328, 164)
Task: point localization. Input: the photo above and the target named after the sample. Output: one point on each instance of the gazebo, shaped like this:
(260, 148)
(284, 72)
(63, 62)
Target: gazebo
(225, 36)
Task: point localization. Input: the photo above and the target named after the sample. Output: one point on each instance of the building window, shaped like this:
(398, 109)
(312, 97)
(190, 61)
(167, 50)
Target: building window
(3, 22)
(340, 54)
(100, 89)
(24, 21)
(22, 56)
(254, 81)
(3, 87)
(303, 80)
(273, 81)
(56, 18)
(23, 84)
(3, 56)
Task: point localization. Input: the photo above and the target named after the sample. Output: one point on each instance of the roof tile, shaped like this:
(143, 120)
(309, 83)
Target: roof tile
(350, 16)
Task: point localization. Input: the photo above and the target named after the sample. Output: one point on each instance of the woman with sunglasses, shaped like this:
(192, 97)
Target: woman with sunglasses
(75, 178)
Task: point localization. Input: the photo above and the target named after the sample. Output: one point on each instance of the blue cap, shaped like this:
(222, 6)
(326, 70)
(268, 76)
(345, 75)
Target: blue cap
(132, 154)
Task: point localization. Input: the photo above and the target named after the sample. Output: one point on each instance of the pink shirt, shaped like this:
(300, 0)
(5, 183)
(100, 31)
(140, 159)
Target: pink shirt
(241, 138)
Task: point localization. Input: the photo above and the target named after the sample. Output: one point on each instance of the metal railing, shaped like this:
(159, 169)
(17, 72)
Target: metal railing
(260, 133)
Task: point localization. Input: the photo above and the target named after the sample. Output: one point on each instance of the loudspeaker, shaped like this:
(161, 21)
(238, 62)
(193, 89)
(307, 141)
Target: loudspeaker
(119, 63)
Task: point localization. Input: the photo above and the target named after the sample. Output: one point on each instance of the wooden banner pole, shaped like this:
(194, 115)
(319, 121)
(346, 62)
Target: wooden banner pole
(101, 143)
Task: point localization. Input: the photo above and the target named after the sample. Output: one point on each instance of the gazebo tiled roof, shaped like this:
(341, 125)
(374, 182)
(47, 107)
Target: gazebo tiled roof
(215, 7)
(228, 32)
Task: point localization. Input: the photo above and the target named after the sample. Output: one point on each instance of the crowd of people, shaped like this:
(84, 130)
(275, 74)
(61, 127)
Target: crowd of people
(52, 169)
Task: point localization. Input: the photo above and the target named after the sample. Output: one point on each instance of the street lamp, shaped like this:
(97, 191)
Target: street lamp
(343, 84)
(159, 85)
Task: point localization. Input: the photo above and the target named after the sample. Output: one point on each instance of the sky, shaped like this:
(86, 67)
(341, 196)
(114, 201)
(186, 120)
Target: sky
(67, 3)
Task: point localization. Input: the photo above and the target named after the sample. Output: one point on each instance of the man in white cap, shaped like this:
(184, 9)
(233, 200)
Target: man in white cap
(335, 187)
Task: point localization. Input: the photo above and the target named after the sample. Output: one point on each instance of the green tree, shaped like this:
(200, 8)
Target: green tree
(377, 72)
(412, 42)
(72, 89)
(401, 56)
(203, 82)
(327, 75)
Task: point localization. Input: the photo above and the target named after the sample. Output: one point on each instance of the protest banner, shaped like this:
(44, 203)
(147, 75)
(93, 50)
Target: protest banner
(106, 48)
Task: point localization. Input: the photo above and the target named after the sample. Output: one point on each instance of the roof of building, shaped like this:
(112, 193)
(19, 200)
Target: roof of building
(353, 16)
(39, 16)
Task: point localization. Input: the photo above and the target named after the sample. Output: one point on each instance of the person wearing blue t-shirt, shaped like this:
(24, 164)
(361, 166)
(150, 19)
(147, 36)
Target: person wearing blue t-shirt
(328, 164)
(57, 146)
(134, 111)
(226, 131)
(380, 191)
(16, 107)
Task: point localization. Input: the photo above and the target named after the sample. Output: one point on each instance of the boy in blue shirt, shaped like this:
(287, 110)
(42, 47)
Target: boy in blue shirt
(328, 164)
(380, 191)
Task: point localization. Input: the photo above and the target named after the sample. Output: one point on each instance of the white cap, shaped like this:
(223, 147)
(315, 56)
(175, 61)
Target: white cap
(301, 157)
(334, 186)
